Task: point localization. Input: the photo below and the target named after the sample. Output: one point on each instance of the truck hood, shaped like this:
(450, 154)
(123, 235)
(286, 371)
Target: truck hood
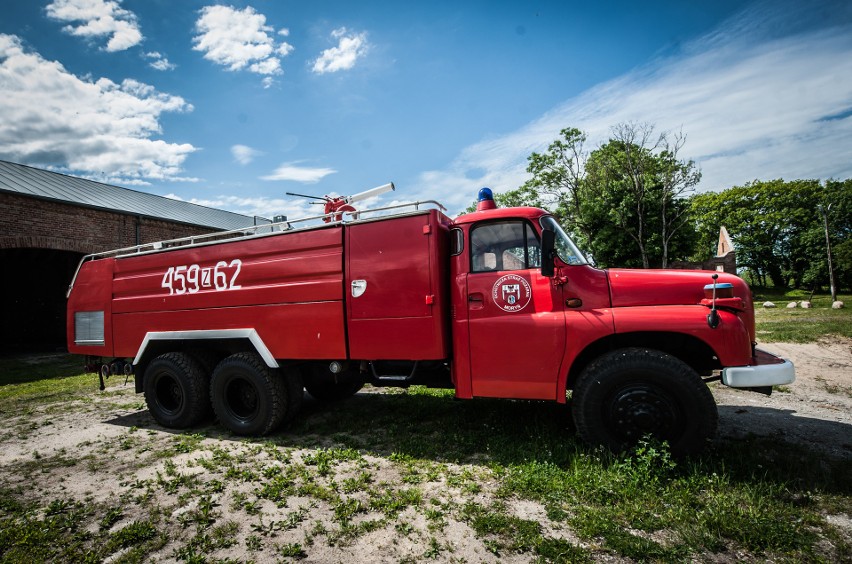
(637, 288)
(666, 287)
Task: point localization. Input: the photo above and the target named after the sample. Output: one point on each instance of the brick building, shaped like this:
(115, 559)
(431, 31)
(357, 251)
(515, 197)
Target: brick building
(49, 221)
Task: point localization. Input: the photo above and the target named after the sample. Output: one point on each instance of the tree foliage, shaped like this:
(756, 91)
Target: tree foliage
(558, 183)
(639, 180)
(624, 200)
(779, 230)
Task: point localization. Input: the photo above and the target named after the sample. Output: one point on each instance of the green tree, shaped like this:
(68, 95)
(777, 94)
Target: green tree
(639, 181)
(837, 204)
(778, 229)
(624, 200)
(558, 182)
(843, 263)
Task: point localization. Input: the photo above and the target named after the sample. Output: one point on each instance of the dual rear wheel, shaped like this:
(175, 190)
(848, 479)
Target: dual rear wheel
(247, 396)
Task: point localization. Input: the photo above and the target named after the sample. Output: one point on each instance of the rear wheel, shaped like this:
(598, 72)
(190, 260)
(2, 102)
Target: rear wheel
(325, 386)
(207, 361)
(175, 390)
(629, 393)
(248, 397)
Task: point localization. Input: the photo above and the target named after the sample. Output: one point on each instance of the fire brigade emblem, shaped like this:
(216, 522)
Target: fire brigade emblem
(511, 293)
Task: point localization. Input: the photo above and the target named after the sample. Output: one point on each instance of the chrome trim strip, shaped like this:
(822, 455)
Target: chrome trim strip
(207, 334)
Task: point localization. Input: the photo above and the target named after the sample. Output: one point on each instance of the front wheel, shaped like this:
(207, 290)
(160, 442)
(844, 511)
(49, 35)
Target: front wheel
(629, 393)
(248, 397)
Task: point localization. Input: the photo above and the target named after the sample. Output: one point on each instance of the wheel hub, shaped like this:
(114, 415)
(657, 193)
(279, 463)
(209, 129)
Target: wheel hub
(642, 409)
(169, 394)
(242, 398)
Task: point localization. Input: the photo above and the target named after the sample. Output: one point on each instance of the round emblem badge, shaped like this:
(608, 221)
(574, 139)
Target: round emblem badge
(511, 293)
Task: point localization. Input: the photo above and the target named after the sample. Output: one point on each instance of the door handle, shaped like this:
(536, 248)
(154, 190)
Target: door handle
(358, 288)
(573, 302)
(476, 298)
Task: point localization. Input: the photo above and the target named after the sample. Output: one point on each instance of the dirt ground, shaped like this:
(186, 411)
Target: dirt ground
(815, 410)
(104, 449)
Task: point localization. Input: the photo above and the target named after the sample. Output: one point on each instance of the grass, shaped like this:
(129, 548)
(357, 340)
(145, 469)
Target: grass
(58, 532)
(43, 379)
(798, 325)
(642, 506)
(417, 464)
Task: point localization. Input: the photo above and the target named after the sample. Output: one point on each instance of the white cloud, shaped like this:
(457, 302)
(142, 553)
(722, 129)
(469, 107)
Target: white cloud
(159, 61)
(350, 48)
(98, 18)
(240, 40)
(244, 154)
(50, 117)
(259, 205)
(306, 175)
(753, 107)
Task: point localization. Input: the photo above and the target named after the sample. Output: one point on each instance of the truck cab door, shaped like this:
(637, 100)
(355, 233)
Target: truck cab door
(516, 316)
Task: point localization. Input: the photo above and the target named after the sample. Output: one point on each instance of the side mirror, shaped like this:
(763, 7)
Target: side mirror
(548, 252)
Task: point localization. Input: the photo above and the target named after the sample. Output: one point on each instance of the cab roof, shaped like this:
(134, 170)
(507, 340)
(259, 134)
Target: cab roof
(500, 213)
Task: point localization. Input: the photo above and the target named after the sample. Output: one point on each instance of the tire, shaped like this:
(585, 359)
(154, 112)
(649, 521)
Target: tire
(248, 397)
(324, 386)
(175, 390)
(207, 361)
(295, 393)
(629, 393)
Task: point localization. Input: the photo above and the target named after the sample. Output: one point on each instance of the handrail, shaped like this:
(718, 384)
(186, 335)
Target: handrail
(334, 218)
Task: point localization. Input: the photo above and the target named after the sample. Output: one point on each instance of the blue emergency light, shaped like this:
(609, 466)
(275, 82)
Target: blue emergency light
(485, 200)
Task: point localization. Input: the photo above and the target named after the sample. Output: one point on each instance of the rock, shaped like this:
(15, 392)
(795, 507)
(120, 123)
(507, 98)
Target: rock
(805, 304)
(791, 305)
(768, 305)
(838, 305)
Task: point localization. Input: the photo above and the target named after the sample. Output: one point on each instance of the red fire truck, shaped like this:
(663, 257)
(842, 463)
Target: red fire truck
(496, 303)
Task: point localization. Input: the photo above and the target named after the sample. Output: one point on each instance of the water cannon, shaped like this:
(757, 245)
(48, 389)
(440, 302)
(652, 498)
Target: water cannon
(377, 191)
(335, 206)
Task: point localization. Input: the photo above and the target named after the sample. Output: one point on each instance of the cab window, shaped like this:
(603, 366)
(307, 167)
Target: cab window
(505, 245)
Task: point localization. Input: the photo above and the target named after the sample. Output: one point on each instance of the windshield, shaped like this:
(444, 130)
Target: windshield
(565, 247)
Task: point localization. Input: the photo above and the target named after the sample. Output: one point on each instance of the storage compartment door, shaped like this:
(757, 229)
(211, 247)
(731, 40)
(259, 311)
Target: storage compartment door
(390, 292)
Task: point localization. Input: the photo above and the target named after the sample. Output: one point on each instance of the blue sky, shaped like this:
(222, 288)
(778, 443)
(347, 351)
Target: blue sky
(233, 104)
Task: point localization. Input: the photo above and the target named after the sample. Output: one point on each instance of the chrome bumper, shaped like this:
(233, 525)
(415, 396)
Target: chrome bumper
(768, 370)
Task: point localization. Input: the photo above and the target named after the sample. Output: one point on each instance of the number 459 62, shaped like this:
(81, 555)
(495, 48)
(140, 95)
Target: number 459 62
(193, 278)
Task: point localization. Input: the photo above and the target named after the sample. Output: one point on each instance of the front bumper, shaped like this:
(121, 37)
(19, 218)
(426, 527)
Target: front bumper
(767, 370)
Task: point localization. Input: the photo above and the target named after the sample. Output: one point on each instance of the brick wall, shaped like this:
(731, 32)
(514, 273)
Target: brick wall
(33, 223)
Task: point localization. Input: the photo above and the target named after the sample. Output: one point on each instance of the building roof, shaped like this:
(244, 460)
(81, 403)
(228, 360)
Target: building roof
(725, 245)
(38, 183)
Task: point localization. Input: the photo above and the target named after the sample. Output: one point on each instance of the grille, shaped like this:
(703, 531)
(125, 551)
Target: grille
(89, 327)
